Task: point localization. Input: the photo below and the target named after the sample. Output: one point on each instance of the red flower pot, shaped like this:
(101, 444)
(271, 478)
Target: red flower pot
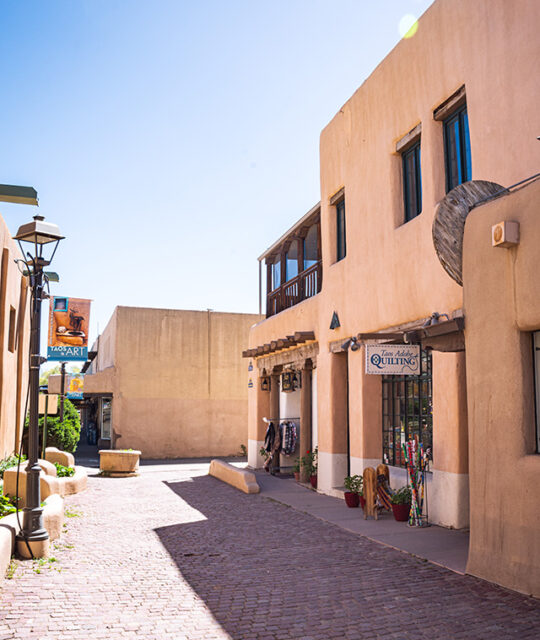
(352, 499)
(297, 476)
(313, 480)
(401, 512)
(362, 501)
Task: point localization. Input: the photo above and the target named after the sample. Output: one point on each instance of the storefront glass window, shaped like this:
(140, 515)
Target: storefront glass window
(106, 418)
(407, 408)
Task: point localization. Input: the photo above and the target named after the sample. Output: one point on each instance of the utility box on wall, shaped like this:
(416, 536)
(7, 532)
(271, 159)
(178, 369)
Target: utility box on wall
(505, 234)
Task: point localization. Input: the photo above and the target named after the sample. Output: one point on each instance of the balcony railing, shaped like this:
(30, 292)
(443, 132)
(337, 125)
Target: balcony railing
(304, 285)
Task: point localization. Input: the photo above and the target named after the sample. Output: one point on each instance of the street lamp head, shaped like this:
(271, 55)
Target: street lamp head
(38, 233)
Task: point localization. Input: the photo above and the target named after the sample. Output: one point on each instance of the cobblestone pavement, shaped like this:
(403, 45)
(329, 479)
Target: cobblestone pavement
(173, 554)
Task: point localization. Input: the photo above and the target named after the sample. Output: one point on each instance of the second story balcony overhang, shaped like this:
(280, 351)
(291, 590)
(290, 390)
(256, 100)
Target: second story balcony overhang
(293, 264)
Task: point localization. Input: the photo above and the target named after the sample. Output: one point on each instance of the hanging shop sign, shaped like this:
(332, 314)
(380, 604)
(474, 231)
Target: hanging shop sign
(75, 386)
(393, 359)
(69, 320)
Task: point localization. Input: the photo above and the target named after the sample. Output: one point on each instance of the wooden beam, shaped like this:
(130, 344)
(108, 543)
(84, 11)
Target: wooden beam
(304, 336)
(381, 336)
(283, 343)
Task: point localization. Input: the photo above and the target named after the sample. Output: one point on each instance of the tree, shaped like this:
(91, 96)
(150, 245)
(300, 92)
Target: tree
(56, 370)
(63, 436)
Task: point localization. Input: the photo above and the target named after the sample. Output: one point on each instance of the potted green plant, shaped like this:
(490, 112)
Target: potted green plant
(401, 504)
(309, 463)
(353, 487)
(296, 469)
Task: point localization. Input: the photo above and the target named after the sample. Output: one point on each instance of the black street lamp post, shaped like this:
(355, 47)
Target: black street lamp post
(33, 537)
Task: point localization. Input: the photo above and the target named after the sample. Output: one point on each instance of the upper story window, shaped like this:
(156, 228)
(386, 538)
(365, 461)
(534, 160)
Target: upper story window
(457, 148)
(457, 145)
(294, 265)
(341, 236)
(276, 274)
(291, 261)
(311, 246)
(412, 182)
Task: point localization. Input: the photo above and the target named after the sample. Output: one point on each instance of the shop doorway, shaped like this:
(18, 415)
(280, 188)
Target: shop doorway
(342, 435)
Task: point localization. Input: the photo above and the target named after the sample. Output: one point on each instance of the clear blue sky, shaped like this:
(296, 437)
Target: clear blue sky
(174, 141)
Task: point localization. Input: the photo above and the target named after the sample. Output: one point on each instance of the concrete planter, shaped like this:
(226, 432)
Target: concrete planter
(119, 462)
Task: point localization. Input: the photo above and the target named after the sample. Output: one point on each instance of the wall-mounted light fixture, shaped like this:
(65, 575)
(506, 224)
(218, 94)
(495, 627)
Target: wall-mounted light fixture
(351, 343)
(265, 381)
(434, 319)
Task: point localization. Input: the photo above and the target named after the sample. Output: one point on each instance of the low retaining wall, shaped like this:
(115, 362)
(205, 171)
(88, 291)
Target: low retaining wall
(48, 484)
(239, 478)
(52, 454)
(53, 519)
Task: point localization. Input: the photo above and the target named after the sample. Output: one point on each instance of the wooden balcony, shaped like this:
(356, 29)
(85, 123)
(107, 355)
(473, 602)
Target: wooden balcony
(303, 286)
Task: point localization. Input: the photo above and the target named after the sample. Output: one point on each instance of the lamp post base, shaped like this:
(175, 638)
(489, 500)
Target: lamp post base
(39, 548)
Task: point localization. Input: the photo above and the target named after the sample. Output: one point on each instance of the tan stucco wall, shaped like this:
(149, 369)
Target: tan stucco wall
(179, 382)
(502, 307)
(391, 274)
(11, 362)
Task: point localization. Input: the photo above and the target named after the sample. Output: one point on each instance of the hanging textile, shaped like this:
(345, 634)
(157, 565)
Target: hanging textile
(269, 437)
(275, 447)
(288, 437)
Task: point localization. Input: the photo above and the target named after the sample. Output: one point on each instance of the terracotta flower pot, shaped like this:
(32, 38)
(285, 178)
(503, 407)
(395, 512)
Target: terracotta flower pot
(401, 512)
(313, 480)
(352, 499)
(297, 476)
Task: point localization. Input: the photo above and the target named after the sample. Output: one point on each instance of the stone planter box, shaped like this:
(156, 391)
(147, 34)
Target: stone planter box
(119, 462)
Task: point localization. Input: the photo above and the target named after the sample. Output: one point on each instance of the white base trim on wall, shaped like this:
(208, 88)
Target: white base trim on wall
(448, 502)
(359, 464)
(447, 496)
(331, 471)
(255, 460)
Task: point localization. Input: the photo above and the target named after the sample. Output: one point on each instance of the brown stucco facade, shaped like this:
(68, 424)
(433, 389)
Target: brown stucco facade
(502, 305)
(14, 337)
(177, 383)
(480, 55)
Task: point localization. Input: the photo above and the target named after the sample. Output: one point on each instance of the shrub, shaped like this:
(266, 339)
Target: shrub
(65, 437)
(7, 505)
(353, 484)
(64, 472)
(9, 462)
(402, 496)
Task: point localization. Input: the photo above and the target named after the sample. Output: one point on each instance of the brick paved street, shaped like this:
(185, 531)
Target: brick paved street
(175, 554)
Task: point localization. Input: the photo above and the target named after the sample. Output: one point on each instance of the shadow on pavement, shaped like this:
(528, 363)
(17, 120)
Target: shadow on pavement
(268, 571)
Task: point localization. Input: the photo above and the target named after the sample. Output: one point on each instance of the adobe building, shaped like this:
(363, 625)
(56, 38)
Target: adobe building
(14, 344)
(386, 258)
(171, 383)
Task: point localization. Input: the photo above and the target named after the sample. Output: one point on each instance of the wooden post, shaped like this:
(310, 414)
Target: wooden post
(274, 411)
(305, 415)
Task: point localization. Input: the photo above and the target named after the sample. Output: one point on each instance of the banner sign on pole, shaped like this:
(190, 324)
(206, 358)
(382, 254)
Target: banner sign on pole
(69, 320)
(75, 386)
(393, 359)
